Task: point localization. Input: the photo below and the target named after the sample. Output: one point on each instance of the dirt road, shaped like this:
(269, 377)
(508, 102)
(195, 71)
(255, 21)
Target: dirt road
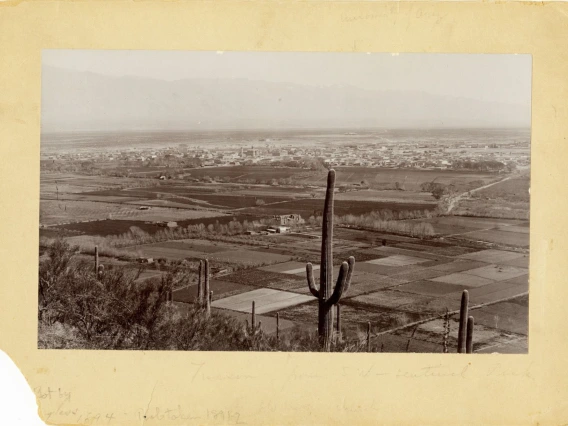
(453, 201)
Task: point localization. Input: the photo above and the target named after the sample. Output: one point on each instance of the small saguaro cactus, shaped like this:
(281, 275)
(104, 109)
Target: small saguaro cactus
(369, 336)
(200, 283)
(469, 339)
(96, 260)
(203, 291)
(446, 330)
(325, 296)
(168, 295)
(277, 327)
(253, 329)
(206, 285)
(253, 316)
(462, 331)
(101, 271)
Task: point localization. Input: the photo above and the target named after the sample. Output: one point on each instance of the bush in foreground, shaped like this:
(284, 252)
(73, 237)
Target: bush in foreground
(78, 310)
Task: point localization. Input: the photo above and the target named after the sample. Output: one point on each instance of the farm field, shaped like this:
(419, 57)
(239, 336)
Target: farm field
(53, 212)
(387, 196)
(507, 199)
(410, 179)
(120, 226)
(518, 239)
(402, 285)
(246, 172)
(514, 189)
(377, 178)
(52, 182)
(394, 291)
(87, 198)
(312, 207)
(224, 253)
(509, 232)
(242, 198)
(493, 208)
(402, 288)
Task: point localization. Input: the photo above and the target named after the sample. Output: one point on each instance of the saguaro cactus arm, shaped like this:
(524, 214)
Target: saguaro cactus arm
(311, 282)
(351, 268)
(343, 281)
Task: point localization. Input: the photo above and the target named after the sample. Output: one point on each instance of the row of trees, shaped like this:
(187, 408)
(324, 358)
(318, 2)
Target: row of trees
(111, 244)
(248, 181)
(375, 222)
(398, 215)
(137, 236)
(484, 165)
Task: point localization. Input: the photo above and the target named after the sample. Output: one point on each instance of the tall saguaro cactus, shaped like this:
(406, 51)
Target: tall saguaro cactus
(326, 294)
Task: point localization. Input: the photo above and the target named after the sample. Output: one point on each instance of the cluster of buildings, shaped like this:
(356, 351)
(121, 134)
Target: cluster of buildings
(366, 153)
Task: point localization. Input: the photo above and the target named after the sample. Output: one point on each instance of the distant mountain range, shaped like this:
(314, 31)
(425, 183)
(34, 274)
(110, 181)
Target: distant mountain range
(74, 100)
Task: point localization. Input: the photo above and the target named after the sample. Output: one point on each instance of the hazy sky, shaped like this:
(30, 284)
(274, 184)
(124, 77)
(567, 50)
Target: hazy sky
(488, 77)
(483, 77)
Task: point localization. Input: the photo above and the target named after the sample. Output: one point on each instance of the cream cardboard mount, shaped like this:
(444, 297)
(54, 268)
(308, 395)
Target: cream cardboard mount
(124, 387)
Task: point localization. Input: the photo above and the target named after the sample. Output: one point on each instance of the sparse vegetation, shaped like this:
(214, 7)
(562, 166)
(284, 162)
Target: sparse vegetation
(77, 310)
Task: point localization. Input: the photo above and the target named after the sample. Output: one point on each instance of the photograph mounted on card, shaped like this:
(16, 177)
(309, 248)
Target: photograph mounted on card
(284, 201)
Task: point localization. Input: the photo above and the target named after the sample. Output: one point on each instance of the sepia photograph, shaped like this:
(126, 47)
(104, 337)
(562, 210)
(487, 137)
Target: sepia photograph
(284, 201)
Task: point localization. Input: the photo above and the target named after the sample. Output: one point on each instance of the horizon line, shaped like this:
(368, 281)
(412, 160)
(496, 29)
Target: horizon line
(291, 129)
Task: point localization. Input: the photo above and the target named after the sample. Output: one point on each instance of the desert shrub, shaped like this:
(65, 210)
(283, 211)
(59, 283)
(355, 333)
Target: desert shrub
(113, 310)
(298, 340)
(195, 331)
(59, 336)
